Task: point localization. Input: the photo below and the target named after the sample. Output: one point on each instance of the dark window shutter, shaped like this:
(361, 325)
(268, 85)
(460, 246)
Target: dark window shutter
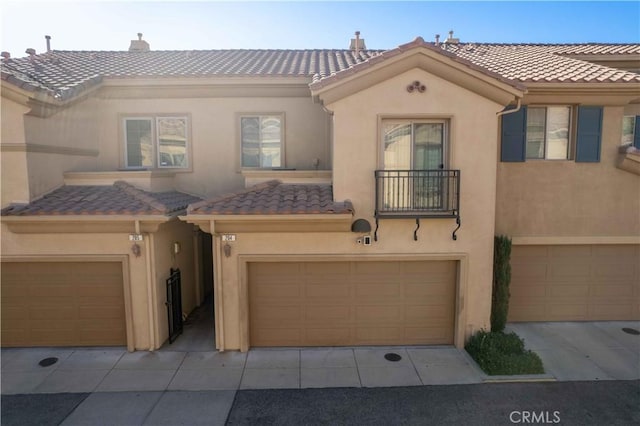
(636, 133)
(514, 130)
(589, 135)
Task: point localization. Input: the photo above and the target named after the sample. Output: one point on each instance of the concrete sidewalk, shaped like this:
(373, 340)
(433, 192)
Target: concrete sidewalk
(115, 370)
(111, 386)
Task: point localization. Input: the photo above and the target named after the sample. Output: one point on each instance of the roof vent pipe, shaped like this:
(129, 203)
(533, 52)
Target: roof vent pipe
(48, 38)
(452, 40)
(357, 44)
(139, 45)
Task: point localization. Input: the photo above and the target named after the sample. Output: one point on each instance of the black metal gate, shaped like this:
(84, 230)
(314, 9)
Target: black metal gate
(174, 304)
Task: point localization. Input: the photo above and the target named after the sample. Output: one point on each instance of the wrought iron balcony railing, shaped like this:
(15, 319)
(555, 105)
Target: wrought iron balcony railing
(415, 194)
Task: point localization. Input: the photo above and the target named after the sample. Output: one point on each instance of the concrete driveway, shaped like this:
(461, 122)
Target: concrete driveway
(584, 350)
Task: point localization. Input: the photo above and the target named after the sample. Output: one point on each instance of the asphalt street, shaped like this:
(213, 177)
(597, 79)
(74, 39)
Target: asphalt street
(567, 403)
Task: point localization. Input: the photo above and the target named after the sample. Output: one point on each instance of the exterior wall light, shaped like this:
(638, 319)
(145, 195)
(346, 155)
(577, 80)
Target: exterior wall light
(361, 226)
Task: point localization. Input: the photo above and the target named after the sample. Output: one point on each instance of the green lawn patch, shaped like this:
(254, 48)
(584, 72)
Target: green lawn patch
(498, 353)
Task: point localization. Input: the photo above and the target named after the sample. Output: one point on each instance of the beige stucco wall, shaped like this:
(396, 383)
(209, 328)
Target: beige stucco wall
(72, 126)
(64, 141)
(45, 170)
(330, 246)
(564, 198)
(165, 258)
(215, 136)
(87, 136)
(12, 114)
(472, 149)
(15, 184)
(43, 148)
(146, 274)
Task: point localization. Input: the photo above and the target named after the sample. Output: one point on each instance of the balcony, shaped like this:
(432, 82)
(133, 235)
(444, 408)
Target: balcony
(416, 194)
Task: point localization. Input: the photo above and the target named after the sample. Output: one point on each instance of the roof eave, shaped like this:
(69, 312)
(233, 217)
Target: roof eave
(204, 87)
(216, 223)
(56, 224)
(584, 93)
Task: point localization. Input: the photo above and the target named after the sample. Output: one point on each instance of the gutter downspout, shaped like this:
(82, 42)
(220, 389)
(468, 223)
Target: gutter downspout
(150, 298)
(154, 293)
(218, 286)
(510, 111)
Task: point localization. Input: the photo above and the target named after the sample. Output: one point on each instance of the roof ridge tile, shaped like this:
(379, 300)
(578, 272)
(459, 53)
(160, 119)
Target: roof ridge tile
(141, 195)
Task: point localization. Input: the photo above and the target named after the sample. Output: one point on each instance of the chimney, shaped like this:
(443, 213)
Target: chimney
(6, 56)
(357, 44)
(139, 45)
(437, 39)
(31, 52)
(452, 40)
(48, 38)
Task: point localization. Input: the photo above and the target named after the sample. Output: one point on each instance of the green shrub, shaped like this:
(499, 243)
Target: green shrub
(503, 354)
(501, 280)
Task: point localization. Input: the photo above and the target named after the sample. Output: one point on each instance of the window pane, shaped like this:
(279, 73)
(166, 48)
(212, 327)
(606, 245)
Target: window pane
(250, 130)
(138, 144)
(270, 129)
(427, 154)
(172, 142)
(535, 132)
(628, 125)
(557, 132)
(397, 146)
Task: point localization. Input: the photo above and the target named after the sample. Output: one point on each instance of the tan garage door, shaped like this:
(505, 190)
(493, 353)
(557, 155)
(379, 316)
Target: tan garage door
(351, 303)
(575, 283)
(62, 304)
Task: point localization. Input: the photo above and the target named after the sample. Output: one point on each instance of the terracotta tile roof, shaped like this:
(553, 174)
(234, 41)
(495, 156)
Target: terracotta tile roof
(592, 48)
(275, 198)
(65, 74)
(534, 63)
(119, 199)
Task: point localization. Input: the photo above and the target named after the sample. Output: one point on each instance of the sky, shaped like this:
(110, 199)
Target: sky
(101, 25)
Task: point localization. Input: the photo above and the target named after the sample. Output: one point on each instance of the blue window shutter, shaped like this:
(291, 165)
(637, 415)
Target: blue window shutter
(636, 133)
(514, 131)
(589, 136)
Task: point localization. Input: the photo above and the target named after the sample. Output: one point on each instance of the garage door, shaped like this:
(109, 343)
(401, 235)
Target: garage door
(351, 303)
(575, 283)
(62, 304)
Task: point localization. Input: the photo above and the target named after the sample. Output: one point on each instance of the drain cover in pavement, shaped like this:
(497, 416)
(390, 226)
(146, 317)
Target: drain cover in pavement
(631, 331)
(392, 357)
(48, 361)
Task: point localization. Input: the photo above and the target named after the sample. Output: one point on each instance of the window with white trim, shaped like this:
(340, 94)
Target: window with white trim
(156, 142)
(261, 141)
(548, 132)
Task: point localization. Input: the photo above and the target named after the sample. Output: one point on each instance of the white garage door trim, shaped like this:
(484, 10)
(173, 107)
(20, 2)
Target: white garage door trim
(124, 260)
(460, 285)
